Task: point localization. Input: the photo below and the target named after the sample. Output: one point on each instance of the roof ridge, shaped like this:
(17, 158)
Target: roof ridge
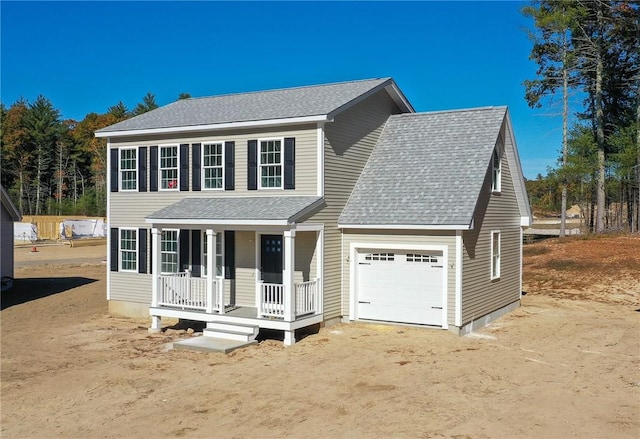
(462, 110)
(286, 88)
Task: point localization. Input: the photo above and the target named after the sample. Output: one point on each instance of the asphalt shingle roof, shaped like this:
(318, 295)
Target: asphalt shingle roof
(237, 209)
(285, 103)
(426, 169)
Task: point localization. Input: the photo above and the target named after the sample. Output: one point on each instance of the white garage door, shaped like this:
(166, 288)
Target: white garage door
(400, 286)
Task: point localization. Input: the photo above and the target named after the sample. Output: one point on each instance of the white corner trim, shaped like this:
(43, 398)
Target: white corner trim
(406, 226)
(458, 267)
(217, 126)
(204, 222)
(525, 221)
(320, 159)
(108, 188)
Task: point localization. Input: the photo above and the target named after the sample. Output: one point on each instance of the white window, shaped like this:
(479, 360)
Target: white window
(219, 254)
(128, 169)
(380, 257)
(169, 251)
(270, 163)
(495, 255)
(169, 167)
(213, 165)
(496, 183)
(128, 250)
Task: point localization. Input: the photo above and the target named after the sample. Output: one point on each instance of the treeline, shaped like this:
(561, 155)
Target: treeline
(588, 57)
(55, 166)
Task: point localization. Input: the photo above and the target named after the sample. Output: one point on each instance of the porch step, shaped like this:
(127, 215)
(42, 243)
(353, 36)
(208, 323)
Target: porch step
(231, 331)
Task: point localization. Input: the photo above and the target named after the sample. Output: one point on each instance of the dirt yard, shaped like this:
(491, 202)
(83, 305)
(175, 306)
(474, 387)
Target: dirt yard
(566, 364)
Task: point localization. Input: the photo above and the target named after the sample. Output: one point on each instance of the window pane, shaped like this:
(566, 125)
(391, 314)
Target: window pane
(128, 250)
(169, 167)
(169, 251)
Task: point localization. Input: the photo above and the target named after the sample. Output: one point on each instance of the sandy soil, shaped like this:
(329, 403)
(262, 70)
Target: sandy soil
(566, 364)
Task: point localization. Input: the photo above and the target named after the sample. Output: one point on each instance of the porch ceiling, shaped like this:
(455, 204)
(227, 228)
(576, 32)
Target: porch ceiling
(237, 210)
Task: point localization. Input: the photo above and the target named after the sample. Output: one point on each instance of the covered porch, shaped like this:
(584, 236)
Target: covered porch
(264, 275)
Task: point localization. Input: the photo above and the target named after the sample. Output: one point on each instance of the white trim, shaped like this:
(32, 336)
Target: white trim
(525, 221)
(202, 167)
(257, 272)
(219, 239)
(218, 126)
(520, 261)
(498, 271)
(156, 263)
(177, 188)
(513, 157)
(310, 227)
(109, 237)
(353, 263)
(137, 158)
(320, 159)
(120, 259)
(406, 226)
(458, 268)
(261, 165)
(320, 268)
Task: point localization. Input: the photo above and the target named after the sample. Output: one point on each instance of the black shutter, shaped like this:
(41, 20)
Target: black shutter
(229, 165)
(290, 163)
(184, 167)
(142, 250)
(183, 242)
(252, 168)
(142, 169)
(196, 252)
(229, 254)
(114, 248)
(195, 167)
(151, 254)
(153, 169)
(114, 170)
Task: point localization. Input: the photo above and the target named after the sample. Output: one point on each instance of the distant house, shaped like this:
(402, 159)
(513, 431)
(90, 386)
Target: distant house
(287, 208)
(8, 216)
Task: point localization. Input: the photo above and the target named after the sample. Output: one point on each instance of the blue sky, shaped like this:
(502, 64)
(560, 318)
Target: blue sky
(87, 56)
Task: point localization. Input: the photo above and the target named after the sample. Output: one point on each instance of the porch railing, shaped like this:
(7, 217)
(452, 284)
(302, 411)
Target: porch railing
(181, 290)
(272, 302)
(306, 297)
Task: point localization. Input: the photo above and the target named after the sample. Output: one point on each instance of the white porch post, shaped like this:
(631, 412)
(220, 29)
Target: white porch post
(156, 235)
(288, 282)
(211, 268)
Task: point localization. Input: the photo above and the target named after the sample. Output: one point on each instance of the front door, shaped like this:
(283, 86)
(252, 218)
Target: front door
(271, 259)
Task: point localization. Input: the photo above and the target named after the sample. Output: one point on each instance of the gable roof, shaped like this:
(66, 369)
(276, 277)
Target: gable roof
(427, 170)
(8, 205)
(237, 210)
(272, 107)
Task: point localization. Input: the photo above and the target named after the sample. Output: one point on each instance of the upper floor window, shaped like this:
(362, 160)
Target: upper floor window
(495, 255)
(270, 163)
(128, 250)
(213, 165)
(128, 169)
(169, 252)
(169, 167)
(496, 165)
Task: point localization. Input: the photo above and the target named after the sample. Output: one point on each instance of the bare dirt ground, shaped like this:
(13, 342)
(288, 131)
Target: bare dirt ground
(566, 364)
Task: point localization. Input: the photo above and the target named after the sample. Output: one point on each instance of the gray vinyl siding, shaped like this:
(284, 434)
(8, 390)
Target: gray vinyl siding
(399, 238)
(245, 268)
(348, 143)
(6, 237)
(131, 287)
(129, 208)
(495, 212)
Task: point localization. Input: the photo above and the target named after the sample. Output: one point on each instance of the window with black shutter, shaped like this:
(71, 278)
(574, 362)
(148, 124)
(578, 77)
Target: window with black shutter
(229, 166)
(114, 170)
(252, 165)
(184, 167)
(153, 169)
(196, 184)
(142, 169)
(289, 163)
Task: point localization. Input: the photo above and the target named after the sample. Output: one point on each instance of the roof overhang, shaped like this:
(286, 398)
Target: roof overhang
(408, 226)
(8, 204)
(236, 211)
(219, 126)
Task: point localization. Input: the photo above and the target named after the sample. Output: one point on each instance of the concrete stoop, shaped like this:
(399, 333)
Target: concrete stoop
(211, 344)
(221, 337)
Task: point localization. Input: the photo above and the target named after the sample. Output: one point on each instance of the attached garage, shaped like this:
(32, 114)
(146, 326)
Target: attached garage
(400, 285)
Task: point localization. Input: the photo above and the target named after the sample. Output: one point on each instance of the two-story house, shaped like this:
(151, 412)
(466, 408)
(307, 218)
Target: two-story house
(286, 208)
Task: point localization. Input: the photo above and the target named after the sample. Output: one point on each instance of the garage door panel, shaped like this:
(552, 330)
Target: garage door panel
(400, 287)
